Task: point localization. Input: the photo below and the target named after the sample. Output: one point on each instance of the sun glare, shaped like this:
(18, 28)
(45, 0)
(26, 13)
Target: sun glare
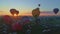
(15, 15)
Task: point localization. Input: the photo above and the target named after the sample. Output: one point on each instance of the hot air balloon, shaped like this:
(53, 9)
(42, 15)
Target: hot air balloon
(13, 11)
(17, 12)
(39, 5)
(36, 12)
(17, 27)
(55, 10)
(7, 19)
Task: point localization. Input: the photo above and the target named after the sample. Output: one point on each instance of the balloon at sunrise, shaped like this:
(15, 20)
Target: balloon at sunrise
(55, 10)
(36, 12)
(25, 6)
(17, 12)
(14, 12)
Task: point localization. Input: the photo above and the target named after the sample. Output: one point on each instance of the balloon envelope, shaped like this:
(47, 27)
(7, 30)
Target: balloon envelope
(17, 12)
(12, 11)
(56, 10)
(7, 19)
(38, 4)
(16, 26)
(36, 12)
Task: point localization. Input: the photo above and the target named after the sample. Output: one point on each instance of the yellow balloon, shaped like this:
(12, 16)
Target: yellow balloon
(36, 12)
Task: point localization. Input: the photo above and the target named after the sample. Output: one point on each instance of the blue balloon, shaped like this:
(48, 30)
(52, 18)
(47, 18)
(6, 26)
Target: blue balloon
(39, 5)
(55, 10)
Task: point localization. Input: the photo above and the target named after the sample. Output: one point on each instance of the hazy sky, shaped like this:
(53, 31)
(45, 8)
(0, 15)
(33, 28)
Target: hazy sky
(26, 6)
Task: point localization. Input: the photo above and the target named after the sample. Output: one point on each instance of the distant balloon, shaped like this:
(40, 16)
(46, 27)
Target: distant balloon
(55, 10)
(39, 5)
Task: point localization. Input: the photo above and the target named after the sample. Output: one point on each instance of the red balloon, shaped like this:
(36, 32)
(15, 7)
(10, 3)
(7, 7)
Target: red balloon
(7, 19)
(16, 26)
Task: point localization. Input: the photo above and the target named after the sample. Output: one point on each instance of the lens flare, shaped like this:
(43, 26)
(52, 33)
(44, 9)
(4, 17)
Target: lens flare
(15, 15)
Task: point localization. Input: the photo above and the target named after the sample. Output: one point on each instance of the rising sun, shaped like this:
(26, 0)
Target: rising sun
(15, 15)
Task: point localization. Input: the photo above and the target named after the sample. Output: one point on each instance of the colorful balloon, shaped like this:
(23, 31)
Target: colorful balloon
(36, 12)
(17, 26)
(7, 19)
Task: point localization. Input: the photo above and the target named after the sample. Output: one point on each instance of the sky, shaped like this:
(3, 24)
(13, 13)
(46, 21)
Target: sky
(26, 6)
